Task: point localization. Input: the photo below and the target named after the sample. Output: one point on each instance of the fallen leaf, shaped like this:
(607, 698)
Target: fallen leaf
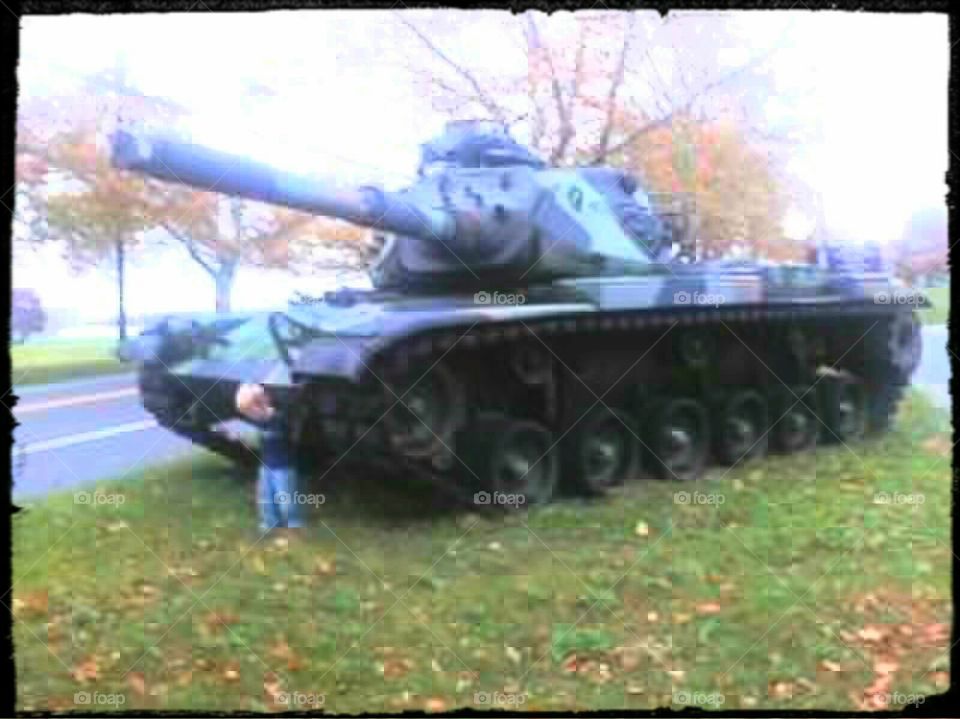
(281, 650)
(273, 689)
(677, 674)
(779, 690)
(232, 672)
(137, 682)
(514, 654)
(324, 567)
(629, 658)
(31, 604)
(218, 621)
(434, 704)
(831, 666)
(569, 664)
(602, 674)
(395, 668)
(886, 667)
(870, 634)
(709, 608)
(86, 670)
(936, 633)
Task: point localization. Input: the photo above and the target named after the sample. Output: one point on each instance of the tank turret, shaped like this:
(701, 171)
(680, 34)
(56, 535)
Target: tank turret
(484, 209)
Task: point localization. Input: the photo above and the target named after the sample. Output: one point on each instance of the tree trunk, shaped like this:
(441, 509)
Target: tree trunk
(121, 309)
(224, 283)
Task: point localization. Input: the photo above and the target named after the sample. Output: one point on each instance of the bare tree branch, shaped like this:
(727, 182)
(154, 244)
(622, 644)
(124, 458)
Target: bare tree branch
(615, 84)
(703, 91)
(567, 131)
(192, 248)
(488, 103)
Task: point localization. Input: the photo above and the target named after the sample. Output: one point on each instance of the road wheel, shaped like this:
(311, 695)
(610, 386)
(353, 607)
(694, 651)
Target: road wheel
(601, 451)
(514, 461)
(843, 408)
(795, 424)
(426, 411)
(679, 433)
(742, 427)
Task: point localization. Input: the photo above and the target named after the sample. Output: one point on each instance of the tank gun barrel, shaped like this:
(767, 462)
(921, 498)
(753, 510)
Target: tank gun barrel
(184, 163)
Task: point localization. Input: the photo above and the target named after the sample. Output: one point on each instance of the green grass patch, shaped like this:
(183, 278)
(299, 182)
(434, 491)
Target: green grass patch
(936, 315)
(793, 583)
(53, 360)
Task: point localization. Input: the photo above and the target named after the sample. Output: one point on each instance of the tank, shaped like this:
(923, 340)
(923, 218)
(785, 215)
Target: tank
(530, 330)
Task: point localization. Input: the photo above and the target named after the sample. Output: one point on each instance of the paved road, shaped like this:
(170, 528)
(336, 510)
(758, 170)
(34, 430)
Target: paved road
(934, 371)
(75, 432)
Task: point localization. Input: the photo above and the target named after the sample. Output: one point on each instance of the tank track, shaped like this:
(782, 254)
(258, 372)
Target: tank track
(800, 374)
(458, 407)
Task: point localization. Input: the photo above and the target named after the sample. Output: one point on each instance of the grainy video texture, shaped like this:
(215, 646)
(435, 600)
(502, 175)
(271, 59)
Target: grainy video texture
(428, 359)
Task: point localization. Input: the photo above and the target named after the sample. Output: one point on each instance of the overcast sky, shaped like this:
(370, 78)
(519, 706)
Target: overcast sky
(345, 107)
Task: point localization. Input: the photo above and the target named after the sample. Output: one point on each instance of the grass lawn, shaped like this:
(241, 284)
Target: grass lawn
(940, 297)
(52, 360)
(818, 581)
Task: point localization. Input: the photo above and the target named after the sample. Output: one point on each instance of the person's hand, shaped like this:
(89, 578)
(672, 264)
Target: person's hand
(252, 402)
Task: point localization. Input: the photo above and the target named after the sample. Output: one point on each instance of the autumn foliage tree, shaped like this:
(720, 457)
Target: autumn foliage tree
(72, 195)
(617, 88)
(737, 204)
(220, 233)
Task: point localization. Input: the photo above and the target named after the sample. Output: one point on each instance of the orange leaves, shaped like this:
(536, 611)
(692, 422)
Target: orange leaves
(86, 671)
(137, 683)
(31, 605)
(283, 651)
(708, 608)
(738, 203)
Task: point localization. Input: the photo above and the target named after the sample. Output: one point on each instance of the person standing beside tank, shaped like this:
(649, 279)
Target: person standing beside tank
(277, 504)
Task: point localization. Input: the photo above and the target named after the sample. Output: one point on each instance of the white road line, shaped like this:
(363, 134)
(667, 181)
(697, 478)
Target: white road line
(73, 401)
(73, 439)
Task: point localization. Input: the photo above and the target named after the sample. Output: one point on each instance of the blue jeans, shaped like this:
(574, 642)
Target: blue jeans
(277, 495)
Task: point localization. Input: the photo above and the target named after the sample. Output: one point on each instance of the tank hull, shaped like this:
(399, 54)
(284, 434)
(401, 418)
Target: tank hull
(585, 382)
